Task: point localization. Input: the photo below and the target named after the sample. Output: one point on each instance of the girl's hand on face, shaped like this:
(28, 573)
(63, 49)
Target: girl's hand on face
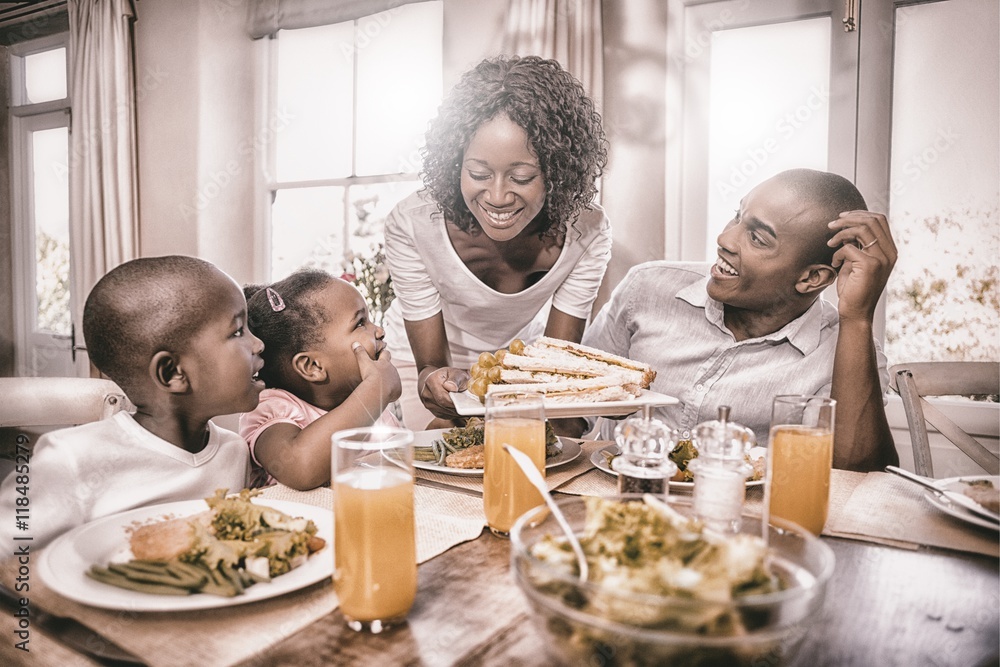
(380, 370)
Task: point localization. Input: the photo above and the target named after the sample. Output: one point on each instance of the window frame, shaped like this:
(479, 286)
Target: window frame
(24, 119)
(268, 184)
(872, 159)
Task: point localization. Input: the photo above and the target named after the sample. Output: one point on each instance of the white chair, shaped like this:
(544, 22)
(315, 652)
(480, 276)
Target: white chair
(58, 401)
(944, 378)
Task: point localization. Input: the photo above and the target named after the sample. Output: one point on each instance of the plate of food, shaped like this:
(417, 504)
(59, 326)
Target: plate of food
(984, 489)
(576, 380)
(681, 455)
(459, 451)
(161, 558)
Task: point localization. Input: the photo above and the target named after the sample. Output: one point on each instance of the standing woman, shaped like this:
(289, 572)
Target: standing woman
(504, 241)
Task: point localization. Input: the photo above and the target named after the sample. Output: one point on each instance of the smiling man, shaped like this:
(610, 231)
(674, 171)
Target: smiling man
(756, 326)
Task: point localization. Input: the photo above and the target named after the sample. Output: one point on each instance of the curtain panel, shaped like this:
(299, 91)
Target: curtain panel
(569, 31)
(266, 17)
(104, 206)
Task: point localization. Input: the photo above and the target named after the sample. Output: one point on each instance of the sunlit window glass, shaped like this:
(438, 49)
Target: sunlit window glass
(50, 201)
(770, 109)
(944, 294)
(45, 76)
(352, 104)
(307, 229)
(315, 99)
(399, 86)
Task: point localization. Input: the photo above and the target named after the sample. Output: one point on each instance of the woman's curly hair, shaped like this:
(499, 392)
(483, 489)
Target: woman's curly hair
(563, 128)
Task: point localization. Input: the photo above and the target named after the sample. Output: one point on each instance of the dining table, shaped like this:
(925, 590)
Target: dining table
(911, 586)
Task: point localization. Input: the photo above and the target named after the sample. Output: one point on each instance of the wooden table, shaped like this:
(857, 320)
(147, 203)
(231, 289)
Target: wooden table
(885, 606)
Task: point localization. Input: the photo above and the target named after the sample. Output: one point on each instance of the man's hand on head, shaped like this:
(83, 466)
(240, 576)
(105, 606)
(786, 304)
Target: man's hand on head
(865, 257)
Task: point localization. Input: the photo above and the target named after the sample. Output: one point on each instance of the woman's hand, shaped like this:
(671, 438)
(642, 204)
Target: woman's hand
(435, 386)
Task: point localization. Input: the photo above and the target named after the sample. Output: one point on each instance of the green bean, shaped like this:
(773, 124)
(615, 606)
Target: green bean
(144, 575)
(108, 577)
(185, 570)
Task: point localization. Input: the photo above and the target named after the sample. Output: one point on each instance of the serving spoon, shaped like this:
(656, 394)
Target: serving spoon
(524, 462)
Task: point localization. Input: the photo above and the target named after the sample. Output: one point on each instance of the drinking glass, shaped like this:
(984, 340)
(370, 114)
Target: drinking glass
(375, 548)
(799, 458)
(518, 420)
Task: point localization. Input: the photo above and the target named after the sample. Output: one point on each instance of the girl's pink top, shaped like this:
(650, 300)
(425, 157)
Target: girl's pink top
(278, 406)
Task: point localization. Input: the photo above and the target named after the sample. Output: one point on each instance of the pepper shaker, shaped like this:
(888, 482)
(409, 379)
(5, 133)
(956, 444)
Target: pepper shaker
(644, 466)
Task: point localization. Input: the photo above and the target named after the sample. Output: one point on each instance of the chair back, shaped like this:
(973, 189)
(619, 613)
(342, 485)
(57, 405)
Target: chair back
(944, 378)
(58, 401)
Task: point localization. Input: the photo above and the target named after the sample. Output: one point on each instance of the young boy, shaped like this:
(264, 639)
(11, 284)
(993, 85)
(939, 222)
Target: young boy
(171, 331)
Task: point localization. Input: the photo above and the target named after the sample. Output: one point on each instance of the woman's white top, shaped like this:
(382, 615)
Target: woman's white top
(429, 277)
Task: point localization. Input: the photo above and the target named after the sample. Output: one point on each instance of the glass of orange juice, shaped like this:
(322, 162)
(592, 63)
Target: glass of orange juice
(518, 420)
(374, 540)
(799, 458)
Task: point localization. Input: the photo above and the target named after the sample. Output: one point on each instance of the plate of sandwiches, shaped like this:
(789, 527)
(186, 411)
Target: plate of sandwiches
(576, 380)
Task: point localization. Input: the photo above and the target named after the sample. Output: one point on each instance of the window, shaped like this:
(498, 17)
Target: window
(915, 124)
(351, 103)
(944, 188)
(40, 165)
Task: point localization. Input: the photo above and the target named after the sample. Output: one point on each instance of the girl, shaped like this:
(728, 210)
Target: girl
(325, 368)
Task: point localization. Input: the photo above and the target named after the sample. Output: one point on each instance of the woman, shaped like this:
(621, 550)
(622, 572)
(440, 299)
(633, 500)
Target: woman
(504, 242)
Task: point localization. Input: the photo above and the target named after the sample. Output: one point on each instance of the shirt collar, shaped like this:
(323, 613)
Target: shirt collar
(803, 332)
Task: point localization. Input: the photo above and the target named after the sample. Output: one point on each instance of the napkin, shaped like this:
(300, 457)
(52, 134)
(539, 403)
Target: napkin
(887, 509)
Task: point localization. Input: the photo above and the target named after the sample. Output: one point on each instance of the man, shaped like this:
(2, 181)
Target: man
(756, 327)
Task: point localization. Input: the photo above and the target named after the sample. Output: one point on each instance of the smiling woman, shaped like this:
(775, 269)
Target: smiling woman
(505, 242)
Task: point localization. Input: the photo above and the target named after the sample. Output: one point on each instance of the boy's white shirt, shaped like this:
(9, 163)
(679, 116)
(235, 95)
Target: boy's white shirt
(79, 474)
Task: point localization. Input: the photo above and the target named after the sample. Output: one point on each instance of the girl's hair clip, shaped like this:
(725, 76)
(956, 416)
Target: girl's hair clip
(273, 298)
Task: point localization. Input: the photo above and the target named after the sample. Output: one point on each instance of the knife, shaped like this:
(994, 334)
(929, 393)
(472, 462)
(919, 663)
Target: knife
(73, 634)
(953, 496)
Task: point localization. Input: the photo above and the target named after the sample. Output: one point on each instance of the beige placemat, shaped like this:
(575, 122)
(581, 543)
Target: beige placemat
(228, 635)
(443, 519)
(554, 477)
(884, 508)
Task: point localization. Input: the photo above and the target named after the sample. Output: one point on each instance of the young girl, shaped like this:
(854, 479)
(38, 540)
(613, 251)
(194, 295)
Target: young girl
(325, 369)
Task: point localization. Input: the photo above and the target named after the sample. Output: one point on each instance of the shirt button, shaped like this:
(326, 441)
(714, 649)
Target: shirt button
(700, 387)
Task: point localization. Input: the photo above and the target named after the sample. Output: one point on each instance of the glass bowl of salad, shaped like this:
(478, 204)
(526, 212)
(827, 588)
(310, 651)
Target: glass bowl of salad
(663, 589)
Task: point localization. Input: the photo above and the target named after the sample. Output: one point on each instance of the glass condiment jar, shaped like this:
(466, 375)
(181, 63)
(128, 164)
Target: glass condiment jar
(643, 465)
(720, 472)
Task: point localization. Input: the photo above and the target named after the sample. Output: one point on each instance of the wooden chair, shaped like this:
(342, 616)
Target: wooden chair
(58, 401)
(944, 378)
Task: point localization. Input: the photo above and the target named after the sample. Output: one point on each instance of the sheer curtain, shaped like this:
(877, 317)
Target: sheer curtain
(266, 17)
(104, 210)
(569, 31)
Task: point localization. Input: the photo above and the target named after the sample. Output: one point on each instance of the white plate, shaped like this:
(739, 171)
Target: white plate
(570, 451)
(955, 484)
(597, 458)
(64, 563)
(469, 405)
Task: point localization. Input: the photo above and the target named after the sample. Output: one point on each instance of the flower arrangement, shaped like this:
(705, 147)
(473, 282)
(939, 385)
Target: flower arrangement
(371, 276)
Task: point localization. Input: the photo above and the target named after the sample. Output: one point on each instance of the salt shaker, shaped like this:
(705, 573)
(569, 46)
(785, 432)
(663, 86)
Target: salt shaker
(720, 472)
(644, 465)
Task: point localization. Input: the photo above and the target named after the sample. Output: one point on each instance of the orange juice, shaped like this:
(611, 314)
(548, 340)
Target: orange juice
(507, 493)
(800, 458)
(375, 547)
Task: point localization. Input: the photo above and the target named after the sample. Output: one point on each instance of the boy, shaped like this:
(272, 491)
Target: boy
(171, 331)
